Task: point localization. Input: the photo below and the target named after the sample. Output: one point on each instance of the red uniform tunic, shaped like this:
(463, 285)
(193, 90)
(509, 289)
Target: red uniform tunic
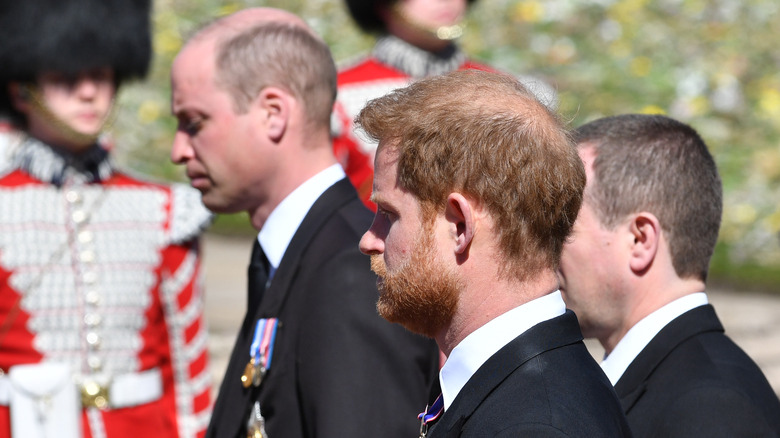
(392, 64)
(101, 271)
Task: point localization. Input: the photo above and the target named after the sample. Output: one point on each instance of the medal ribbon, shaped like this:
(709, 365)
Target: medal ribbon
(432, 413)
(263, 340)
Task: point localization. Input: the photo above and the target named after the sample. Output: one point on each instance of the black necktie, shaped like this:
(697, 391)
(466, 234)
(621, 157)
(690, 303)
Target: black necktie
(257, 276)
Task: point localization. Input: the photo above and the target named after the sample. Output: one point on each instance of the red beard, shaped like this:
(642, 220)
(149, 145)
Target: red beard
(422, 294)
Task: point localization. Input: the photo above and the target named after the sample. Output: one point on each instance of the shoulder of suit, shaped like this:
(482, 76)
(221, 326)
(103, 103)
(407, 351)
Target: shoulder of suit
(357, 215)
(717, 410)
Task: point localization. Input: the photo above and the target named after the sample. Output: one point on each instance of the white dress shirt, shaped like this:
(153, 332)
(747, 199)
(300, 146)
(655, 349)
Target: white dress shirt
(637, 338)
(473, 351)
(284, 220)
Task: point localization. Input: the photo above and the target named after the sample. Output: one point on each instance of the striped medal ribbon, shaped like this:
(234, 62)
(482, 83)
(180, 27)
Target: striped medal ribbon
(260, 352)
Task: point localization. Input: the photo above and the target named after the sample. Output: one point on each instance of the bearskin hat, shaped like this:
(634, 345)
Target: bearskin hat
(366, 13)
(70, 36)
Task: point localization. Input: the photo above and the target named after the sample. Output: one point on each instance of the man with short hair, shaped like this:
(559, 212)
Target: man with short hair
(473, 208)
(253, 94)
(634, 271)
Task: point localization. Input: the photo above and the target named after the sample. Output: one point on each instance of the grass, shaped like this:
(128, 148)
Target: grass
(232, 225)
(742, 276)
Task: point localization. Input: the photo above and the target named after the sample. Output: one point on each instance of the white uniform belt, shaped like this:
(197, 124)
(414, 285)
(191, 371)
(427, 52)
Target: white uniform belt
(122, 391)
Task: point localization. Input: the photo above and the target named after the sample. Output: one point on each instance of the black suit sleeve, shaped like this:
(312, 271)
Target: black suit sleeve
(362, 375)
(712, 411)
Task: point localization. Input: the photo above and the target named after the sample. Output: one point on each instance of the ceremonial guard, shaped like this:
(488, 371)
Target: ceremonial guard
(408, 47)
(101, 325)
(416, 39)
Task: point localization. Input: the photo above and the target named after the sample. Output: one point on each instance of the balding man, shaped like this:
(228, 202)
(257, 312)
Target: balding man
(473, 208)
(253, 93)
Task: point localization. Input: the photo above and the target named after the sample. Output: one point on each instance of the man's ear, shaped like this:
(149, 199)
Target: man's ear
(275, 104)
(646, 231)
(461, 214)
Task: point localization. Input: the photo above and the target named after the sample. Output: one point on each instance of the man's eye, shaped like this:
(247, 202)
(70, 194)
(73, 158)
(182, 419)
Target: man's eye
(191, 127)
(385, 214)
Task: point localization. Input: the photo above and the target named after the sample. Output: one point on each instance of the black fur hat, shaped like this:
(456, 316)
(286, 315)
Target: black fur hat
(70, 36)
(366, 13)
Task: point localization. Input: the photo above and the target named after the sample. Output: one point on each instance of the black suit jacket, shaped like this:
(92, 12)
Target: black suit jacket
(542, 384)
(339, 369)
(691, 380)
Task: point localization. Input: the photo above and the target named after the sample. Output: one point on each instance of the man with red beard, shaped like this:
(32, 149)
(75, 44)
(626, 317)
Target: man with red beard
(474, 207)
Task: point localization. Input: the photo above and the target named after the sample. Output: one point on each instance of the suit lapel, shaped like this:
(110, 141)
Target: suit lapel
(233, 400)
(326, 206)
(633, 382)
(629, 399)
(545, 336)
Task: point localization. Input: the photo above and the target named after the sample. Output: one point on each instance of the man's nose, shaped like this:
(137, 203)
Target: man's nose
(181, 151)
(370, 244)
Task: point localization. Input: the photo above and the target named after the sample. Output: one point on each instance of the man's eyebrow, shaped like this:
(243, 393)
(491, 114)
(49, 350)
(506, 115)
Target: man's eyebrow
(383, 203)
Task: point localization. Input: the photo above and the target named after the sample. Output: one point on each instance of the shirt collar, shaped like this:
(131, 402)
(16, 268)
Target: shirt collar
(473, 351)
(284, 220)
(638, 336)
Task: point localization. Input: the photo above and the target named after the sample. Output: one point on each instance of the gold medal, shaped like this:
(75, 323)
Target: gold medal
(249, 374)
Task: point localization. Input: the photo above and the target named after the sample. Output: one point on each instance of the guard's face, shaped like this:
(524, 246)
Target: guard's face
(433, 13)
(219, 147)
(427, 24)
(61, 105)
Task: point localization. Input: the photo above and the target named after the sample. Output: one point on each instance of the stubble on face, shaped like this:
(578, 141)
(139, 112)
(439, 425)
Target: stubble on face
(421, 294)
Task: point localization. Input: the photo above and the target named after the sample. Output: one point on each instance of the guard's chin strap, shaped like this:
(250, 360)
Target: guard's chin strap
(39, 105)
(444, 33)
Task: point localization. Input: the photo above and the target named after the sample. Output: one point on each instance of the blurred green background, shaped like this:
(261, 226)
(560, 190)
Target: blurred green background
(714, 64)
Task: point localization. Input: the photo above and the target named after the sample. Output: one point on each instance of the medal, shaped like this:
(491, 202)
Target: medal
(258, 372)
(256, 432)
(255, 426)
(260, 352)
(430, 415)
(248, 377)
